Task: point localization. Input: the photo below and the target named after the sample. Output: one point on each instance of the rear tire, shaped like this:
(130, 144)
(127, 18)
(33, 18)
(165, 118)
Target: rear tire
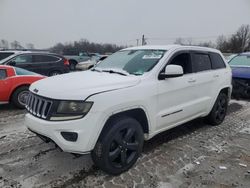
(54, 73)
(119, 146)
(72, 65)
(219, 110)
(19, 97)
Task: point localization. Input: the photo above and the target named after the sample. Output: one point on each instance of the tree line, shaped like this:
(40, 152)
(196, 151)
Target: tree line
(84, 45)
(235, 43)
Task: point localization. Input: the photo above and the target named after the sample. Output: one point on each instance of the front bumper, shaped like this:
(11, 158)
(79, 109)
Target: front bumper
(85, 128)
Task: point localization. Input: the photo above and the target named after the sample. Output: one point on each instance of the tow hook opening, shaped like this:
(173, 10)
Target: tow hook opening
(70, 136)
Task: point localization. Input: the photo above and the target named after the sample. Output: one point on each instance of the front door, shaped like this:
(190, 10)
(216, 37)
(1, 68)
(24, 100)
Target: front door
(176, 96)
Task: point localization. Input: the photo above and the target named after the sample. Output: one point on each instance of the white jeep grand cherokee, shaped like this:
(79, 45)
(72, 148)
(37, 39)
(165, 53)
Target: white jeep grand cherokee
(129, 97)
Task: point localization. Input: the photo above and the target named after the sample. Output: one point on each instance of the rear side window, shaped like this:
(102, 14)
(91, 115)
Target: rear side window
(44, 58)
(217, 61)
(3, 55)
(201, 62)
(3, 74)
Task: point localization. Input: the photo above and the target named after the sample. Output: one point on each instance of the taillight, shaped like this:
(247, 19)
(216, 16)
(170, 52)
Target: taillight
(66, 62)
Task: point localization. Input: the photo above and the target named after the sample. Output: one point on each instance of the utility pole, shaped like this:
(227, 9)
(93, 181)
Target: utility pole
(143, 42)
(137, 42)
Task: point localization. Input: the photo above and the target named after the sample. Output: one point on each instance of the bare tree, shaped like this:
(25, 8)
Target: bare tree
(179, 41)
(4, 44)
(16, 45)
(30, 46)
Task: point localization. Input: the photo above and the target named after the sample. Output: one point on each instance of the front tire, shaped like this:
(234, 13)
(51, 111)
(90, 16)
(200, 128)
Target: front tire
(219, 110)
(119, 146)
(19, 97)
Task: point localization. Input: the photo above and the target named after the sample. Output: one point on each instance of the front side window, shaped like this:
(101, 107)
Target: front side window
(135, 62)
(3, 74)
(22, 59)
(183, 60)
(201, 62)
(240, 60)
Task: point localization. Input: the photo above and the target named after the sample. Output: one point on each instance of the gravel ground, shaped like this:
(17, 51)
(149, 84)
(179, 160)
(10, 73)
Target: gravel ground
(192, 155)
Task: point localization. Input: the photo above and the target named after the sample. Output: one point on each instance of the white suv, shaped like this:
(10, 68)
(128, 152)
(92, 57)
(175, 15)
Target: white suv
(129, 97)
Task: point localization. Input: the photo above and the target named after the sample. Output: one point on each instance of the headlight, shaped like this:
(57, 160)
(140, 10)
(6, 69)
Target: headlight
(69, 110)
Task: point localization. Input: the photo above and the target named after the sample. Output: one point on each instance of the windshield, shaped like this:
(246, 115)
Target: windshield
(135, 62)
(20, 71)
(4, 55)
(240, 60)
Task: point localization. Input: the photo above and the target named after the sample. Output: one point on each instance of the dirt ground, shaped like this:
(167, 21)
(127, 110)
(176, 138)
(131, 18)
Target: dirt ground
(192, 155)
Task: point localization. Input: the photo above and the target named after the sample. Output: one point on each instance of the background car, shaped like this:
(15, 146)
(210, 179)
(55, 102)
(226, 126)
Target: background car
(85, 65)
(14, 85)
(240, 65)
(77, 58)
(44, 63)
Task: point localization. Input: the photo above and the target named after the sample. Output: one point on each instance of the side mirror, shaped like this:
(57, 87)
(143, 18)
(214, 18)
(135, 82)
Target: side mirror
(171, 71)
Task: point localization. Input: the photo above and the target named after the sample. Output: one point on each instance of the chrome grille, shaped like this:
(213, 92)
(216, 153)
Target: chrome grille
(38, 106)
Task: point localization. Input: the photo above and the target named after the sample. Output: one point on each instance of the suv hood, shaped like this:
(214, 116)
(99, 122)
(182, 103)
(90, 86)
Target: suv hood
(241, 72)
(80, 85)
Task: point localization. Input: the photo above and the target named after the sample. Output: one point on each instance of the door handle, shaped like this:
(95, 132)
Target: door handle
(216, 76)
(191, 80)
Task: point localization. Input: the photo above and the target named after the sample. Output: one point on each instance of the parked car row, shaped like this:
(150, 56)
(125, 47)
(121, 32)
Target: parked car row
(44, 63)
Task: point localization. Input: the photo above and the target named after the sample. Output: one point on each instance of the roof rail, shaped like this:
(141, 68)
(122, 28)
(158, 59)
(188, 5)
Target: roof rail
(33, 50)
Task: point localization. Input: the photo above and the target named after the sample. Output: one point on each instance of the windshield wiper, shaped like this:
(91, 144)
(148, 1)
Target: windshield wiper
(97, 70)
(115, 71)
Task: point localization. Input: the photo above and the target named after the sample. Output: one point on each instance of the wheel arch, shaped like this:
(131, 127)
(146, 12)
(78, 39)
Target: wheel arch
(14, 89)
(138, 114)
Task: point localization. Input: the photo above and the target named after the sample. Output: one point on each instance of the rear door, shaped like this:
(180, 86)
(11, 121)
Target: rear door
(46, 63)
(204, 80)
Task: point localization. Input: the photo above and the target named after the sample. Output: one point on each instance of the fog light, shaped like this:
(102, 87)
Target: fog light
(70, 136)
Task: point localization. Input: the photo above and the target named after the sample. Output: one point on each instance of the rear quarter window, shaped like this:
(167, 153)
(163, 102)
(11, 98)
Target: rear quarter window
(217, 61)
(201, 62)
(3, 74)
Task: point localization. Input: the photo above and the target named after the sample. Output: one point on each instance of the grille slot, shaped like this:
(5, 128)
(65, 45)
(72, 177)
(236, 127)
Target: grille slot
(38, 106)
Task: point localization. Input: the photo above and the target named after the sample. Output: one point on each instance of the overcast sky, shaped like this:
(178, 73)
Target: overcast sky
(46, 22)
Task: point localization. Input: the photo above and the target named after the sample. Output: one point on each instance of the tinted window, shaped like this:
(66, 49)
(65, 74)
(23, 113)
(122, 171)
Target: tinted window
(3, 55)
(183, 60)
(217, 61)
(22, 59)
(201, 62)
(20, 71)
(44, 58)
(3, 74)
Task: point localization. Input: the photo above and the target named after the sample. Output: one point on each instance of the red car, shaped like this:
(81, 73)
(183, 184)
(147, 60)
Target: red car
(14, 85)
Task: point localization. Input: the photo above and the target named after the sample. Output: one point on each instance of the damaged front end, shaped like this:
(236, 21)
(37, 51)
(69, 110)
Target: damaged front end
(241, 88)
